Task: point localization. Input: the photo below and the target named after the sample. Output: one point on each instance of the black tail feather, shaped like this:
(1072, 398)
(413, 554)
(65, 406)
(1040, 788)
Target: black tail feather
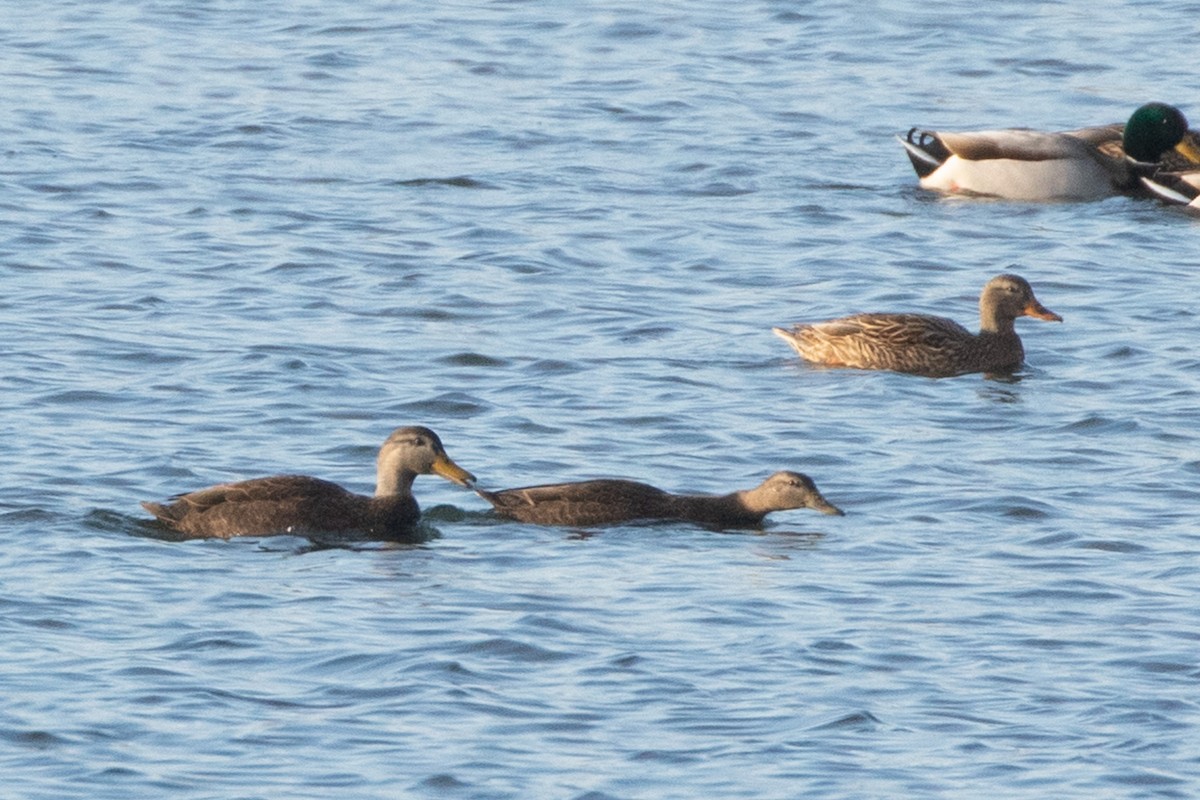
(925, 151)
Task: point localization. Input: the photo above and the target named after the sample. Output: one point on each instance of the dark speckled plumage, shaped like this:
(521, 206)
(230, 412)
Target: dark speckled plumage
(302, 505)
(923, 344)
(607, 501)
(1183, 157)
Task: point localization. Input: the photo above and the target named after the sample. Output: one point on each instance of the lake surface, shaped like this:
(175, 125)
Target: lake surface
(243, 239)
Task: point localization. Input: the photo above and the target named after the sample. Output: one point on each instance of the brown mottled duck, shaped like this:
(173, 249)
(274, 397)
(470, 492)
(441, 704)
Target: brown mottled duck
(298, 504)
(608, 501)
(924, 344)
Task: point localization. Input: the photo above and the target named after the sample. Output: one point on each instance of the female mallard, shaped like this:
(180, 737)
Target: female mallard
(1176, 188)
(1086, 164)
(302, 505)
(923, 344)
(602, 502)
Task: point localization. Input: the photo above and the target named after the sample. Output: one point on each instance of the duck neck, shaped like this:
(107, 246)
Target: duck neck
(394, 482)
(997, 346)
(727, 509)
(752, 504)
(991, 322)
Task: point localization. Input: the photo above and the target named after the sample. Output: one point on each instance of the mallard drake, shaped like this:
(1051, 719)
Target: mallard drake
(302, 505)
(607, 501)
(923, 344)
(1176, 188)
(1087, 164)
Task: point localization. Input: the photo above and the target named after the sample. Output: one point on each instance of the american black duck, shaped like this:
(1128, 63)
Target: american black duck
(298, 504)
(607, 501)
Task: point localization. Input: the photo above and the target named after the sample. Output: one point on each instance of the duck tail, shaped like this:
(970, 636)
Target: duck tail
(925, 150)
(491, 497)
(787, 334)
(160, 512)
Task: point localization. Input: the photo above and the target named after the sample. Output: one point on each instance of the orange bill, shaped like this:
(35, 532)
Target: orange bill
(452, 472)
(1036, 309)
(826, 507)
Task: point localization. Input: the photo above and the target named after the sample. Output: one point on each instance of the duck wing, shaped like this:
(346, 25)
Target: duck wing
(915, 343)
(895, 330)
(276, 488)
(1100, 135)
(1018, 144)
(277, 504)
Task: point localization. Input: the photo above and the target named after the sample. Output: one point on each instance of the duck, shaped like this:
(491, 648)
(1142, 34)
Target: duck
(608, 501)
(302, 505)
(1176, 188)
(1028, 165)
(1183, 157)
(923, 344)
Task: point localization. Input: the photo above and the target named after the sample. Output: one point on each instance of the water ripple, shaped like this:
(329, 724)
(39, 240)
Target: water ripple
(239, 243)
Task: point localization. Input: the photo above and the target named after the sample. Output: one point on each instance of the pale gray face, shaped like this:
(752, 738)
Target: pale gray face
(419, 451)
(795, 490)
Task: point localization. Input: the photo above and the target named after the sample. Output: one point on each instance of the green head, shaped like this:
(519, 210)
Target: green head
(1153, 129)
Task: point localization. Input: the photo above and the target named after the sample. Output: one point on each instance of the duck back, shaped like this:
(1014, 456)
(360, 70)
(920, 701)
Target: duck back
(594, 502)
(296, 504)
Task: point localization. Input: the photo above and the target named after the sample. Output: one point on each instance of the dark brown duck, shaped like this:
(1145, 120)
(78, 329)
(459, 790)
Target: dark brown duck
(924, 344)
(298, 504)
(607, 501)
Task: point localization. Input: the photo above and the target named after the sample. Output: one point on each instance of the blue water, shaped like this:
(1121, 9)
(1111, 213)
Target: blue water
(242, 239)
